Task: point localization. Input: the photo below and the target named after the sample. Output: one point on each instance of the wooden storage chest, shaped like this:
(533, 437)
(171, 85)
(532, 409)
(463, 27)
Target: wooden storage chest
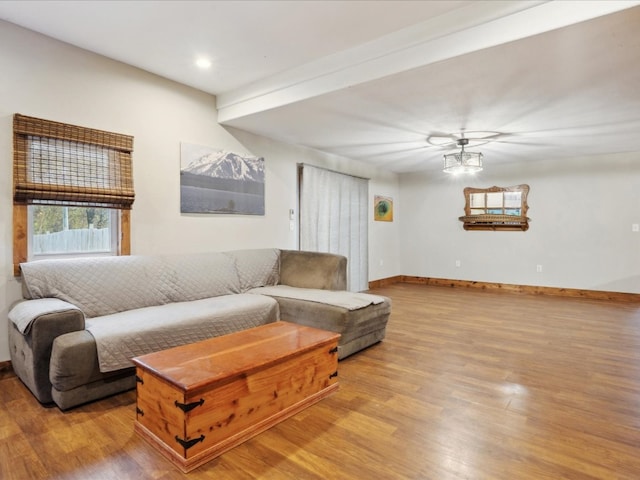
(197, 401)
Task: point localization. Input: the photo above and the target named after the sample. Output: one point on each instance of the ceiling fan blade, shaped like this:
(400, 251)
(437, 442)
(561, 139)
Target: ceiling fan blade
(524, 144)
(441, 139)
(475, 138)
(477, 135)
(476, 142)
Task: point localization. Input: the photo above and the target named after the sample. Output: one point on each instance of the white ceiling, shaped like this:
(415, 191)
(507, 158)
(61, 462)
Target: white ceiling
(386, 82)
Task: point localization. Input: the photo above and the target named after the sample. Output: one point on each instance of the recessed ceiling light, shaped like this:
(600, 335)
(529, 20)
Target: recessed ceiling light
(203, 63)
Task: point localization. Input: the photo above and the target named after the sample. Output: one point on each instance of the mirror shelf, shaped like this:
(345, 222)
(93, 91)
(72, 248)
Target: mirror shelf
(496, 208)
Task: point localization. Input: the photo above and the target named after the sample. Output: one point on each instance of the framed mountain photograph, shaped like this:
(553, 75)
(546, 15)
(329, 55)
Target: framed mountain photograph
(219, 181)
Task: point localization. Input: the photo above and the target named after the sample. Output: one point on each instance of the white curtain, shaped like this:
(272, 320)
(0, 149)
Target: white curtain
(333, 218)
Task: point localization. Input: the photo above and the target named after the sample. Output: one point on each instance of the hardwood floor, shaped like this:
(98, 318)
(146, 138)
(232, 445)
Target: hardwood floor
(467, 385)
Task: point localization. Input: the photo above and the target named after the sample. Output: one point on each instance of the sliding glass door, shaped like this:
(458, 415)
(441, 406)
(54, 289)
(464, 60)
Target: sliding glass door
(333, 218)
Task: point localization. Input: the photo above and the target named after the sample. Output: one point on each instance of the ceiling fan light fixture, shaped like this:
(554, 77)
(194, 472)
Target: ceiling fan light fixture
(462, 162)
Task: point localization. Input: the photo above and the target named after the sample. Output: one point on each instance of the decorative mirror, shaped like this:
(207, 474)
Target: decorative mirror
(496, 208)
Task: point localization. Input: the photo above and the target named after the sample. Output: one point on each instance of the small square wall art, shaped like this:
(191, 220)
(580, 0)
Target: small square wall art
(382, 208)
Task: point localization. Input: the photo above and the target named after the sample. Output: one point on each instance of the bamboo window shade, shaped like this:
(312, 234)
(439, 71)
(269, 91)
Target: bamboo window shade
(60, 164)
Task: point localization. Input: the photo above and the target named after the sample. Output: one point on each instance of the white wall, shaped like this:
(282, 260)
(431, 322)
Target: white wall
(52, 80)
(384, 238)
(581, 212)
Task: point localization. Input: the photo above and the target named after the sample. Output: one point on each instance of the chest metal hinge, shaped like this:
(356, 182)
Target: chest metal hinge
(187, 444)
(187, 407)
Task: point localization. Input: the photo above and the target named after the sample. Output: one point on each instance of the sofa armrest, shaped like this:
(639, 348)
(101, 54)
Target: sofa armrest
(31, 351)
(24, 314)
(303, 269)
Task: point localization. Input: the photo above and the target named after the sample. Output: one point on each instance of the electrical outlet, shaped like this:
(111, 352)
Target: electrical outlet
(457, 263)
(635, 227)
(539, 268)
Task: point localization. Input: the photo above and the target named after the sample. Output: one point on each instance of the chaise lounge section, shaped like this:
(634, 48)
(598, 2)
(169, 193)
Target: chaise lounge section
(82, 320)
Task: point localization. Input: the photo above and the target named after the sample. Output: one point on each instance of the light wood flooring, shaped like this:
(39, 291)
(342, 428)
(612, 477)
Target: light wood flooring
(468, 384)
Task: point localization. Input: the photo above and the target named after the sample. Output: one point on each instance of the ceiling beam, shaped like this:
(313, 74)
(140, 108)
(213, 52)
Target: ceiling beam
(481, 25)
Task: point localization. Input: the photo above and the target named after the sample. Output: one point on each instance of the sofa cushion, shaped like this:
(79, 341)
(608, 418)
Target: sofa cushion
(359, 318)
(302, 269)
(74, 361)
(124, 335)
(351, 324)
(98, 285)
(256, 268)
(200, 275)
(343, 298)
(106, 285)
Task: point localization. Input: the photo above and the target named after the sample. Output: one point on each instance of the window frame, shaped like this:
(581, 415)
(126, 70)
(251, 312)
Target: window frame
(486, 217)
(21, 235)
(28, 191)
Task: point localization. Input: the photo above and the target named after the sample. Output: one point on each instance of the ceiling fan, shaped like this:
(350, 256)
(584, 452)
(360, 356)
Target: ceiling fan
(471, 139)
(446, 141)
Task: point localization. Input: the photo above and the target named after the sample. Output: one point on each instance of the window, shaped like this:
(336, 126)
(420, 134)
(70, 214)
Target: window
(71, 231)
(496, 208)
(73, 190)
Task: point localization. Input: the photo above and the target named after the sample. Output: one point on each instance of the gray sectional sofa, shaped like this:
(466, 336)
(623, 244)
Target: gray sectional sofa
(82, 320)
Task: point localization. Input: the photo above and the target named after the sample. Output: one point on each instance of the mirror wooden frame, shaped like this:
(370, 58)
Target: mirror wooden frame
(496, 208)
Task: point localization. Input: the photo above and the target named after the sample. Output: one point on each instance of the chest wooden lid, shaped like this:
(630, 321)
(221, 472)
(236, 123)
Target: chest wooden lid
(196, 365)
